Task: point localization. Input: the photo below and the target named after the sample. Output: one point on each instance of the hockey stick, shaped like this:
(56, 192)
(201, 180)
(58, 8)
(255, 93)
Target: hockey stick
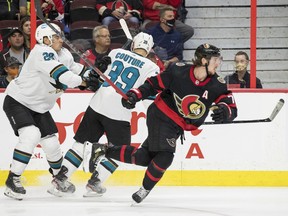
(72, 47)
(274, 113)
(127, 34)
(125, 29)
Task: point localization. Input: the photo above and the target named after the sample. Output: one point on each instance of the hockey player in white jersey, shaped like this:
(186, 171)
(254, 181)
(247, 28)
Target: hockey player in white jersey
(45, 75)
(105, 114)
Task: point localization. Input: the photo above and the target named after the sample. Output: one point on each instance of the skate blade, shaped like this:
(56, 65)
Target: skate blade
(53, 191)
(92, 194)
(134, 204)
(17, 196)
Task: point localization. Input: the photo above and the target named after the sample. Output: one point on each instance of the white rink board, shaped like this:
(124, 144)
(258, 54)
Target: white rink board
(260, 146)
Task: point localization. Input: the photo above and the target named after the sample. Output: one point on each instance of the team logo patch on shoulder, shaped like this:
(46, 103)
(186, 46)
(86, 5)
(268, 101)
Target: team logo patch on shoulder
(221, 80)
(180, 64)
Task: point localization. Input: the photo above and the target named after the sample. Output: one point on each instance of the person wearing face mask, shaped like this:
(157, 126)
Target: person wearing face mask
(168, 43)
(241, 77)
(12, 70)
(151, 13)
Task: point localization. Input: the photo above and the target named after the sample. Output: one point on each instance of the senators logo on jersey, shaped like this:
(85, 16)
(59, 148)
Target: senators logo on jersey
(190, 106)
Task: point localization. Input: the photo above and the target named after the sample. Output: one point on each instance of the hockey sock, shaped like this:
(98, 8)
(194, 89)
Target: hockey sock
(29, 137)
(121, 153)
(156, 169)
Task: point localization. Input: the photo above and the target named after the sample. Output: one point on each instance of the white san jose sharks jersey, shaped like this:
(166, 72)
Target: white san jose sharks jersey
(44, 77)
(128, 70)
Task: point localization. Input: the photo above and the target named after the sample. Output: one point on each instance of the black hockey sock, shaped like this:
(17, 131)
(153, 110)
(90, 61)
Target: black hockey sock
(156, 169)
(121, 153)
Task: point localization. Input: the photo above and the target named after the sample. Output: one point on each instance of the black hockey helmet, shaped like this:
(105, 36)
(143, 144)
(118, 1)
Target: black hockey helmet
(205, 51)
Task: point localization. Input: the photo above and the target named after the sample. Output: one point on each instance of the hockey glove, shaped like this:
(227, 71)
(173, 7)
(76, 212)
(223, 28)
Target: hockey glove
(132, 99)
(220, 114)
(92, 83)
(103, 63)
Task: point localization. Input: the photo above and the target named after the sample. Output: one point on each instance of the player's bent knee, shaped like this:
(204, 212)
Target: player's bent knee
(164, 159)
(141, 157)
(29, 137)
(51, 146)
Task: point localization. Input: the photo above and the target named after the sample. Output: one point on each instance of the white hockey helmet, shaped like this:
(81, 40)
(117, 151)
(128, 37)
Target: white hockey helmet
(143, 41)
(44, 30)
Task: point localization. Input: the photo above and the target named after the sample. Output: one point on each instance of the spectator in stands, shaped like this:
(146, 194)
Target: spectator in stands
(151, 13)
(241, 77)
(167, 41)
(9, 9)
(17, 49)
(111, 10)
(53, 9)
(25, 27)
(24, 8)
(12, 69)
(101, 41)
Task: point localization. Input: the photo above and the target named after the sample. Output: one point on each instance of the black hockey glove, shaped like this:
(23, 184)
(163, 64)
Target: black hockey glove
(90, 74)
(132, 99)
(220, 114)
(92, 83)
(103, 63)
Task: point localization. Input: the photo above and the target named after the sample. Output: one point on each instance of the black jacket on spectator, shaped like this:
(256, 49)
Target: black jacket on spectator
(5, 54)
(233, 79)
(9, 9)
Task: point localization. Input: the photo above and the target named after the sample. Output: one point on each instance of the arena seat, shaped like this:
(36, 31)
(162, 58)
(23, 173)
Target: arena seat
(82, 29)
(117, 33)
(83, 10)
(151, 24)
(9, 24)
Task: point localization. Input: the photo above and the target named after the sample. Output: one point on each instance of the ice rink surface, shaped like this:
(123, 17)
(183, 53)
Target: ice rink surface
(166, 201)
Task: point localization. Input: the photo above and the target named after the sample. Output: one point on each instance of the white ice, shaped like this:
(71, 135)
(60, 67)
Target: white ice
(162, 201)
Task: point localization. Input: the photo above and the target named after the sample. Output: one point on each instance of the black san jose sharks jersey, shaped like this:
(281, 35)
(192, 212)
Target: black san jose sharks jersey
(185, 99)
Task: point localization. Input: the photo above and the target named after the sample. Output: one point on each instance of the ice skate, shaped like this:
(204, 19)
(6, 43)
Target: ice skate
(93, 152)
(140, 195)
(61, 185)
(94, 186)
(14, 188)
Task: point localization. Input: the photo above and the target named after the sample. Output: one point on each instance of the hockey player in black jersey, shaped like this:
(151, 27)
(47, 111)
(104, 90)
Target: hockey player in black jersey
(186, 94)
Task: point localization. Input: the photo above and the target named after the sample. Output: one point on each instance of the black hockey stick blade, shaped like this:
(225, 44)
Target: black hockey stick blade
(75, 50)
(274, 113)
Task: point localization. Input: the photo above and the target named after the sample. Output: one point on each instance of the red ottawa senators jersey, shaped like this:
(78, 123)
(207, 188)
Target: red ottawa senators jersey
(186, 100)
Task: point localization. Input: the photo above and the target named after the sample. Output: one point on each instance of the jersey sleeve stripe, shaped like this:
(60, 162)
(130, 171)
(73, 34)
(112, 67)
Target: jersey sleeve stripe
(58, 71)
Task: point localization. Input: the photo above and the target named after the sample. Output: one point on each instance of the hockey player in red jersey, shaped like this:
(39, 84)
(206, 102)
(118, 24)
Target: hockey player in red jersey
(186, 94)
